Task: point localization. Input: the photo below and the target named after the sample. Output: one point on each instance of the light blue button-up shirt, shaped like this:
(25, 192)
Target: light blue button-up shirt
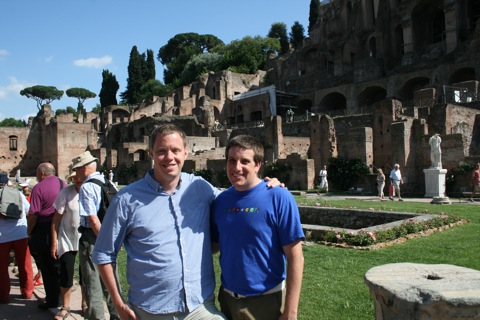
(89, 198)
(167, 240)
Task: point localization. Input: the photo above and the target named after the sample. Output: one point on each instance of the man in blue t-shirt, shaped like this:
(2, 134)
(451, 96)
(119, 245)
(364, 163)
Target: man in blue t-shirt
(258, 228)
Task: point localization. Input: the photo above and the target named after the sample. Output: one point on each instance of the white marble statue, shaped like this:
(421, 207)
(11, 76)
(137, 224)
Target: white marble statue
(435, 151)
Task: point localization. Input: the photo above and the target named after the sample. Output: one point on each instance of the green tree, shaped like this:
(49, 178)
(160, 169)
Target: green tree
(97, 109)
(108, 93)
(313, 16)
(201, 64)
(42, 94)
(180, 49)
(152, 88)
(248, 54)
(66, 111)
(135, 78)
(149, 73)
(297, 35)
(344, 173)
(11, 122)
(81, 94)
(278, 30)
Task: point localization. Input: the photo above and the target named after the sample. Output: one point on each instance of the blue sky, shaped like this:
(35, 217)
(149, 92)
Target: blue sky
(67, 43)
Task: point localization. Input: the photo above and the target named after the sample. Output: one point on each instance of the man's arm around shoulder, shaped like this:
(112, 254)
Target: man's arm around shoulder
(294, 253)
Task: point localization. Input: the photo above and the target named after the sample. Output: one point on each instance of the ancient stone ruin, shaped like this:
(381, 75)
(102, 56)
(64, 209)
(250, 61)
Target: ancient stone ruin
(374, 81)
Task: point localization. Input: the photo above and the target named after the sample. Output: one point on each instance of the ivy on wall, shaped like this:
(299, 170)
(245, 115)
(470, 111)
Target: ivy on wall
(343, 173)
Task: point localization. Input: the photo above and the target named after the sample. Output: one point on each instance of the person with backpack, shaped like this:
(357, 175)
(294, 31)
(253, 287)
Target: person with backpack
(13, 236)
(91, 208)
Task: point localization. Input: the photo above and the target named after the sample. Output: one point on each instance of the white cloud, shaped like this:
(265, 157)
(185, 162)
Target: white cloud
(3, 54)
(13, 87)
(48, 59)
(96, 63)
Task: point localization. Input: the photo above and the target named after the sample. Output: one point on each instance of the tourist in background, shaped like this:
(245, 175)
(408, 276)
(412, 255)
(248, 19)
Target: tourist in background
(27, 192)
(290, 114)
(396, 180)
(90, 197)
(380, 183)
(13, 236)
(256, 228)
(39, 219)
(322, 178)
(475, 181)
(26, 189)
(65, 239)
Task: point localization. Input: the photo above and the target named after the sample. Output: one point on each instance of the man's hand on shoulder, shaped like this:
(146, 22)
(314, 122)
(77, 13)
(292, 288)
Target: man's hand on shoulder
(274, 182)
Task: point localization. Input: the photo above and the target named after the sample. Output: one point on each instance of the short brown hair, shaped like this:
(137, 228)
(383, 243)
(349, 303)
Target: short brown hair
(247, 142)
(166, 129)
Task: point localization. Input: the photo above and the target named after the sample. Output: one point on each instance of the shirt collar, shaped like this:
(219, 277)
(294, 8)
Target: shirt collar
(155, 185)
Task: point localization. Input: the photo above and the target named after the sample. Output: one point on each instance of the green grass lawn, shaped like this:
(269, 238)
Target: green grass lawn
(333, 286)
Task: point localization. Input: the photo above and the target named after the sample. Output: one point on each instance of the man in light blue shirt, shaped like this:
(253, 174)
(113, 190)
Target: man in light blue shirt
(396, 180)
(90, 195)
(163, 221)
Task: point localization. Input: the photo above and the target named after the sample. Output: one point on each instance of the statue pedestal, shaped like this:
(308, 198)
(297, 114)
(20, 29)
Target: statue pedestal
(435, 182)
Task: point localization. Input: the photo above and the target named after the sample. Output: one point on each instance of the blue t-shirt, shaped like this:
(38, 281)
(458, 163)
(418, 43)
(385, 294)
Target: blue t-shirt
(252, 227)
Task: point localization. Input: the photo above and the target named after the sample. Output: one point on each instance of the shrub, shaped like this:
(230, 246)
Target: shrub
(281, 171)
(343, 173)
(366, 238)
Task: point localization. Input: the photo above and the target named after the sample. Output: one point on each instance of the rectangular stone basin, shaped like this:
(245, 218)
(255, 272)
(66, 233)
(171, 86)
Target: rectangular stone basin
(316, 221)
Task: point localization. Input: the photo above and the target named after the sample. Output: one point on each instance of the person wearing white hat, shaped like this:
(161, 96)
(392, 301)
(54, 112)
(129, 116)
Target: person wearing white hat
(90, 195)
(26, 188)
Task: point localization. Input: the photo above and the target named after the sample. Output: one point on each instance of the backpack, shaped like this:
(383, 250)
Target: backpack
(11, 204)
(108, 192)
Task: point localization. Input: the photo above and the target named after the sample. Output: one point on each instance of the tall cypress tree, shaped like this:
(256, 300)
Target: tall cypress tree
(135, 78)
(150, 67)
(108, 93)
(313, 17)
(297, 34)
(278, 30)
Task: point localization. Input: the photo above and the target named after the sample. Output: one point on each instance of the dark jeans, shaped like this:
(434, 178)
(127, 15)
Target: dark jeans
(40, 244)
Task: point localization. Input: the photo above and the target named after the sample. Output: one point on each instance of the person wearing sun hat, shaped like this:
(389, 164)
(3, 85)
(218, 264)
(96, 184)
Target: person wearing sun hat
(26, 189)
(89, 195)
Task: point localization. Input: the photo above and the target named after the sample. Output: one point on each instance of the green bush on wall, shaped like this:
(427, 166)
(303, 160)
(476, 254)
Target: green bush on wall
(343, 173)
(218, 178)
(278, 170)
(127, 173)
(463, 169)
